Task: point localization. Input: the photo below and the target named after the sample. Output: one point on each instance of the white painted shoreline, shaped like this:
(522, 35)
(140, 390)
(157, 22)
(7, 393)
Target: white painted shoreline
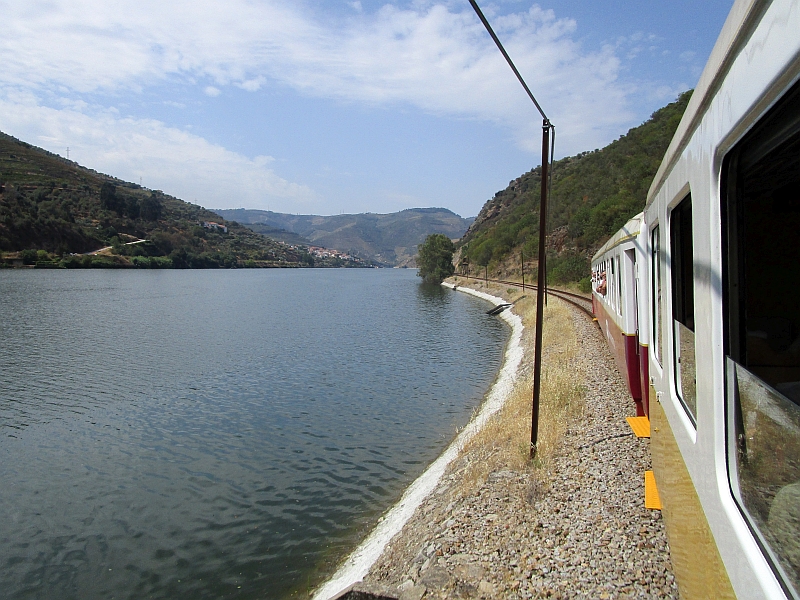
(357, 565)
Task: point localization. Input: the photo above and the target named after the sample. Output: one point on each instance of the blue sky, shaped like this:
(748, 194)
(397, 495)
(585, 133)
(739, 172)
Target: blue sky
(337, 106)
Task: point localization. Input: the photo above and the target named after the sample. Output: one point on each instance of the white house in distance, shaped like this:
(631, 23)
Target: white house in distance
(213, 225)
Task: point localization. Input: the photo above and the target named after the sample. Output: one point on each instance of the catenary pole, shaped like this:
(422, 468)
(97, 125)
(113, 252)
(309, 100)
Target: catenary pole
(547, 153)
(542, 282)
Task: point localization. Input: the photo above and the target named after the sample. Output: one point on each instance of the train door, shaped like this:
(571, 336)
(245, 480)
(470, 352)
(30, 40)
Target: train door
(630, 318)
(642, 312)
(631, 283)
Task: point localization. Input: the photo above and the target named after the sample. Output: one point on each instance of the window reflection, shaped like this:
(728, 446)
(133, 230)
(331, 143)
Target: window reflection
(768, 465)
(686, 367)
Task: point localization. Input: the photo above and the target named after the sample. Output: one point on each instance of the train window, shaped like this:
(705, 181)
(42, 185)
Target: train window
(656, 274)
(682, 268)
(603, 286)
(612, 281)
(619, 289)
(761, 217)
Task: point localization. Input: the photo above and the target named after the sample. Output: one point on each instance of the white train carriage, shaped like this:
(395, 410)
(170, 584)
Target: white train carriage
(718, 294)
(615, 301)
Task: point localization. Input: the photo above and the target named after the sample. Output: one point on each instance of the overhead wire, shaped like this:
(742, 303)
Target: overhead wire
(507, 57)
(548, 149)
(511, 64)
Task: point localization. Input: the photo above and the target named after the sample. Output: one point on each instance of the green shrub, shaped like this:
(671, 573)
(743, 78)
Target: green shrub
(568, 267)
(29, 257)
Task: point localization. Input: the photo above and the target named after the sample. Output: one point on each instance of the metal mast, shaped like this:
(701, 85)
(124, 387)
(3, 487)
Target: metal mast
(547, 155)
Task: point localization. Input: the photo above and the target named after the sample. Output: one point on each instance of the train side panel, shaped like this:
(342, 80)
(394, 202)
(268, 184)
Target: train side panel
(625, 350)
(615, 304)
(720, 545)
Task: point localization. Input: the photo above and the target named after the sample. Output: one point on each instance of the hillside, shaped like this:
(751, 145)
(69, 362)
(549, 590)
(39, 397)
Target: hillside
(592, 195)
(390, 239)
(53, 212)
(52, 209)
(278, 234)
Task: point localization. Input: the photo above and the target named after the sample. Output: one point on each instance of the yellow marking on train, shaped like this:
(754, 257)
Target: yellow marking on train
(640, 426)
(627, 238)
(651, 498)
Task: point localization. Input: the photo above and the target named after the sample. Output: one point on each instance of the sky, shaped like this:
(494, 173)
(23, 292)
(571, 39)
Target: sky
(338, 106)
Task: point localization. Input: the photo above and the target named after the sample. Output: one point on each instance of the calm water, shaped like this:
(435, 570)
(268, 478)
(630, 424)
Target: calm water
(210, 434)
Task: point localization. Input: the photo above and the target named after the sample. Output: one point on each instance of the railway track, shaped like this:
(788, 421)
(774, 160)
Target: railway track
(581, 302)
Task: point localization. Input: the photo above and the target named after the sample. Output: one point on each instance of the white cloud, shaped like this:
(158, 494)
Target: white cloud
(166, 158)
(252, 85)
(212, 91)
(431, 56)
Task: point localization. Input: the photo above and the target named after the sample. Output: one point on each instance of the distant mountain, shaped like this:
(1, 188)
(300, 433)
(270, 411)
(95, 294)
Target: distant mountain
(277, 234)
(390, 239)
(54, 212)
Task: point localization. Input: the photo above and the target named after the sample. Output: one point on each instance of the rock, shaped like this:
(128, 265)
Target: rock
(415, 592)
(436, 577)
(469, 572)
(485, 588)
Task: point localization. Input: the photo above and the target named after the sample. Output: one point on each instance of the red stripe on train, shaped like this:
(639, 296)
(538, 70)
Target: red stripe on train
(626, 351)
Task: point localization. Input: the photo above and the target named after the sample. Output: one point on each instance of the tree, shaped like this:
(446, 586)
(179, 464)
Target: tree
(109, 199)
(132, 207)
(150, 208)
(435, 260)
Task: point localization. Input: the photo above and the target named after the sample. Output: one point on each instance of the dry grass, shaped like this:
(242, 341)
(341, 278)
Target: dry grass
(504, 443)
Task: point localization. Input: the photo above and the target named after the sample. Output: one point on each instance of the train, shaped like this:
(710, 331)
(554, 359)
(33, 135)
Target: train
(699, 299)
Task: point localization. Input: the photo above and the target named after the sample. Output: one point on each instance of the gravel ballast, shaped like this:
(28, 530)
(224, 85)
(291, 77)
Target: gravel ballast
(578, 529)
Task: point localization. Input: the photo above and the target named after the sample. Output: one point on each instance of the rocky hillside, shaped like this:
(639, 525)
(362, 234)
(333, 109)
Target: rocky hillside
(593, 194)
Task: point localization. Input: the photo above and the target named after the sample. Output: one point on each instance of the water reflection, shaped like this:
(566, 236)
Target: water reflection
(429, 292)
(198, 434)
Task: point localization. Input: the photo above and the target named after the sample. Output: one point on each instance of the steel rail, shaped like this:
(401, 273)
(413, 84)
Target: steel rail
(561, 294)
(549, 289)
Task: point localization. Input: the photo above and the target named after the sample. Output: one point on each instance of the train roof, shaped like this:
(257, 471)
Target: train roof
(742, 19)
(628, 232)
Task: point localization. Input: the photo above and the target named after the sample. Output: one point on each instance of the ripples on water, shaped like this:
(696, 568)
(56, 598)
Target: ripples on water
(219, 433)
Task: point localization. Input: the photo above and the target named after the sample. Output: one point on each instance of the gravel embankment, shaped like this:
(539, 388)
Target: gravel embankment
(579, 530)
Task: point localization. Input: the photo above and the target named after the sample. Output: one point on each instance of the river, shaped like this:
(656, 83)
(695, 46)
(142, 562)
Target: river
(207, 434)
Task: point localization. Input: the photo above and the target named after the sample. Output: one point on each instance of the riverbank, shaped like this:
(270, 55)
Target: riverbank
(571, 523)
(357, 565)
